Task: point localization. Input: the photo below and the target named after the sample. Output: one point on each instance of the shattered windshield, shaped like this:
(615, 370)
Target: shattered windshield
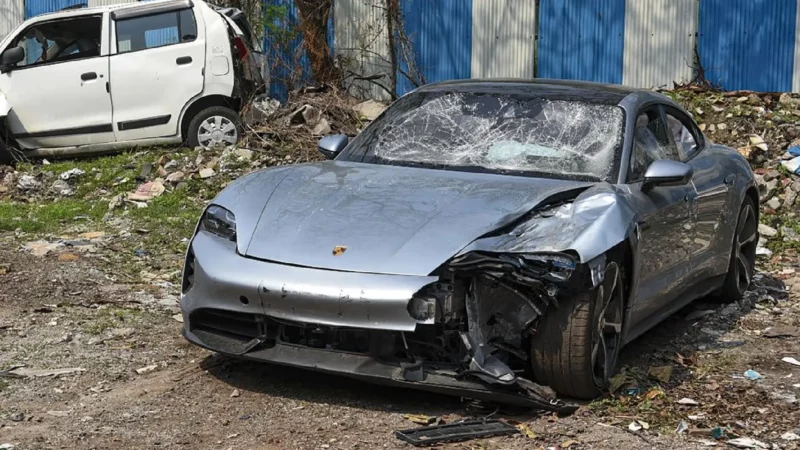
(495, 133)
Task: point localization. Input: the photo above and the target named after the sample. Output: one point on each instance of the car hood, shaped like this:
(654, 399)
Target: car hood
(385, 219)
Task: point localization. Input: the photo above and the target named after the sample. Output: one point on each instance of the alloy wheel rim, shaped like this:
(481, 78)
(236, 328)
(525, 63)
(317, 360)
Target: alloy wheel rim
(606, 336)
(745, 248)
(217, 131)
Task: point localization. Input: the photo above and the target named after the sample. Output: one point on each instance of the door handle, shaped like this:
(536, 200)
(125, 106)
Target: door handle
(183, 60)
(88, 76)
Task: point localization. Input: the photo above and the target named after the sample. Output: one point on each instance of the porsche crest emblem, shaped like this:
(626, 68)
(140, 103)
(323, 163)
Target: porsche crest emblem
(339, 250)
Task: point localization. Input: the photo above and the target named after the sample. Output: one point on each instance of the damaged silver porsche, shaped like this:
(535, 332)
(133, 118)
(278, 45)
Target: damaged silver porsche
(498, 240)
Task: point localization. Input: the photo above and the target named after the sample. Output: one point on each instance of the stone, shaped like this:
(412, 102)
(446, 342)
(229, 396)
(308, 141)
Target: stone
(206, 173)
(786, 99)
(147, 191)
(789, 234)
(774, 203)
(61, 187)
(766, 230)
(245, 154)
(369, 110)
(176, 177)
(322, 128)
(772, 175)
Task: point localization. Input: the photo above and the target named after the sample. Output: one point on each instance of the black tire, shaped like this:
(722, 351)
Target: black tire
(562, 349)
(741, 267)
(6, 157)
(192, 137)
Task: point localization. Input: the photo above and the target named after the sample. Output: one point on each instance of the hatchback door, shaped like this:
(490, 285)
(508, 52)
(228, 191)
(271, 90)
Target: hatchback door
(58, 92)
(157, 67)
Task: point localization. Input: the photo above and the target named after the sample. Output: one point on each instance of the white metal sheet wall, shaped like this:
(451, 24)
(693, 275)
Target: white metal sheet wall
(659, 42)
(361, 40)
(796, 72)
(12, 13)
(503, 38)
(93, 3)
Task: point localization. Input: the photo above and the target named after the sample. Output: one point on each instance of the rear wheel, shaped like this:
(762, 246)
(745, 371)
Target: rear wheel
(742, 265)
(212, 127)
(576, 347)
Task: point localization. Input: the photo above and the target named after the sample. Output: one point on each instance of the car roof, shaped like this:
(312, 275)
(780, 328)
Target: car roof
(97, 9)
(610, 94)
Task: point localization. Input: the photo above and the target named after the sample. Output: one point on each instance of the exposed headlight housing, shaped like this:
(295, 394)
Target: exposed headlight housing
(218, 220)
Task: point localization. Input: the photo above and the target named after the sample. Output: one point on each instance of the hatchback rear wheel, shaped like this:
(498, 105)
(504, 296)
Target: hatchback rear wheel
(214, 127)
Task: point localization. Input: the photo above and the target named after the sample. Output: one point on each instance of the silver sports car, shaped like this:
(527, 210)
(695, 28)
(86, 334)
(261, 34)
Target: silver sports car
(498, 240)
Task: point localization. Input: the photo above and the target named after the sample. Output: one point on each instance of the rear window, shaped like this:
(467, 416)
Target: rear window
(158, 30)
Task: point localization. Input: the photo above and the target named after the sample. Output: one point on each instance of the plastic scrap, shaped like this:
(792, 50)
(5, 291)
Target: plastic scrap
(747, 443)
(794, 150)
(688, 402)
(752, 375)
(791, 360)
(33, 373)
(682, 427)
(792, 165)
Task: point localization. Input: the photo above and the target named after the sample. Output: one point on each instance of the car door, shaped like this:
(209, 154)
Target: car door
(708, 259)
(665, 227)
(157, 66)
(58, 92)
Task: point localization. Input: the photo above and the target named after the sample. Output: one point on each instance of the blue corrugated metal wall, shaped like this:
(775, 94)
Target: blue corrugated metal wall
(748, 44)
(582, 40)
(289, 64)
(441, 32)
(36, 7)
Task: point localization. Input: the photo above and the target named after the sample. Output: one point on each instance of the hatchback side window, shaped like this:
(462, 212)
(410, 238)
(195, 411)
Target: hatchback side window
(682, 136)
(142, 33)
(61, 40)
(651, 142)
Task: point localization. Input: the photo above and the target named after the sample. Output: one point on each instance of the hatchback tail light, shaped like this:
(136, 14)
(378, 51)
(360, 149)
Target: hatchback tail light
(241, 47)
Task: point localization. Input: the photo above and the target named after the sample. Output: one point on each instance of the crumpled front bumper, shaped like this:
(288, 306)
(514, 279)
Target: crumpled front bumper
(227, 281)
(235, 304)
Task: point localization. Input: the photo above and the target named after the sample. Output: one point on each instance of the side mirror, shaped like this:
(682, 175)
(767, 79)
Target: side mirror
(666, 172)
(11, 57)
(330, 146)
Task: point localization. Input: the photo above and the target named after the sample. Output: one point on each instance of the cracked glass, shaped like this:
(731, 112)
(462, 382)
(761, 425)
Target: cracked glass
(496, 134)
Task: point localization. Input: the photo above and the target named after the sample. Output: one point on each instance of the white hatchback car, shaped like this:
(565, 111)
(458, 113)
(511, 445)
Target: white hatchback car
(100, 79)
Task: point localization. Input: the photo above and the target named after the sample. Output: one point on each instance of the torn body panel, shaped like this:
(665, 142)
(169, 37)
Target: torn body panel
(596, 221)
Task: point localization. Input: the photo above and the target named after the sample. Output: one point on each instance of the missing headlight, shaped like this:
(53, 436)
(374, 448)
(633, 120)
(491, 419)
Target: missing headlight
(218, 220)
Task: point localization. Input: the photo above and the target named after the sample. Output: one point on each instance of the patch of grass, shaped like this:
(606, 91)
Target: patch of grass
(48, 217)
(109, 318)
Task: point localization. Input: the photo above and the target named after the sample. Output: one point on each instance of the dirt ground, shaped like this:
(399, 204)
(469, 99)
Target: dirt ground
(71, 314)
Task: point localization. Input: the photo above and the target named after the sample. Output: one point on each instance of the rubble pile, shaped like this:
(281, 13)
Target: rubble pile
(765, 128)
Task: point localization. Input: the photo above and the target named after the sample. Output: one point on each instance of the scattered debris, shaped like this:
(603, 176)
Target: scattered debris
(789, 436)
(781, 332)
(27, 183)
(747, 443)
(456, 432)
(791, 361)
(39, 373)
(178, 317)
(637, 425)
(660, 373)
(68, 257)
(235, 393)
(420, 419)
(688, 402)
(206, 173)
(752, 375)
(369, 110)
(72, 173)
(147, 191)
(682, 427)
(147, 369)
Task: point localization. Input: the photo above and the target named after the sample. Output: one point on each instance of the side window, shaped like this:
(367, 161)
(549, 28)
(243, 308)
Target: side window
(141, 33)
(61, 40)
(682, 136)
(651, 142)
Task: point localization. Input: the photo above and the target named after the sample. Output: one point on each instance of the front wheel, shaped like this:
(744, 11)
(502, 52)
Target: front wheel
(213, 127)
(576, 347)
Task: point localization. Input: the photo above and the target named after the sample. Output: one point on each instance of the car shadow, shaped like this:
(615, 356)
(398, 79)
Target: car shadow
(673, 339)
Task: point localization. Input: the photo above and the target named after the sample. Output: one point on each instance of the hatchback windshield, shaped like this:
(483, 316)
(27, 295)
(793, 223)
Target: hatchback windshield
(495, 133)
